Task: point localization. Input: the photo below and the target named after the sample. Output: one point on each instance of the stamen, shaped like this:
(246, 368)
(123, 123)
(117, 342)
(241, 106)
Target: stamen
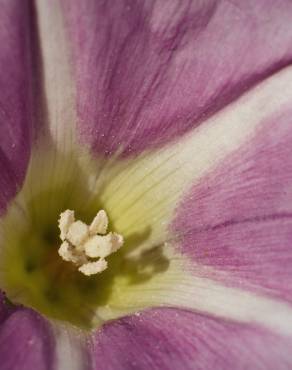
(77, 234)
(92, 268)
(65, 221)
(82, 242)
(99, 224)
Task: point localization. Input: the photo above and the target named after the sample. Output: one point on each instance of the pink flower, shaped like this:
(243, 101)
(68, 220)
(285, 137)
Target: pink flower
(175, 118)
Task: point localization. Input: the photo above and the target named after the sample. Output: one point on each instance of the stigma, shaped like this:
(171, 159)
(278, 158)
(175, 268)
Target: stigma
(87, 246)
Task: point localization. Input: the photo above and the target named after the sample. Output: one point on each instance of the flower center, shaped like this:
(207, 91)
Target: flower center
(82, 243)
(57, 271)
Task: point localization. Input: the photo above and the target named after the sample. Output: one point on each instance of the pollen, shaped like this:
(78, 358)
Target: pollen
(87, 246)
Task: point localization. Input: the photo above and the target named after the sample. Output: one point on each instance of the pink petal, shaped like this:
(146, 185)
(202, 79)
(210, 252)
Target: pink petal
(26, 342)
(168, 339)
(238, 219)
(15, 95)
(149, 71)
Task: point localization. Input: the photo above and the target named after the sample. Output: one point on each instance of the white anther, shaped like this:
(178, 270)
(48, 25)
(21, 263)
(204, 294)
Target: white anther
(99, 224)
(81, 242)
(77, 233)
(64, 251)
(65, 221)
(117, 241)
(94, 245)
(103, 246)
(68, 253)
(92, 268)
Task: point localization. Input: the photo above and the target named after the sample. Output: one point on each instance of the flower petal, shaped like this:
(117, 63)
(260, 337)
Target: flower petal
(8, 182)
(239, 221)
(181, 288)
(174, 339)
(15, 96)
(148, 192)
(26, 342)
(149, 71)
(144, 192)
(72, 348)
(58, 87)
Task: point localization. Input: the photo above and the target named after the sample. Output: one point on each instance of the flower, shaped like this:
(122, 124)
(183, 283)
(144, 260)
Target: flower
(174, 118)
